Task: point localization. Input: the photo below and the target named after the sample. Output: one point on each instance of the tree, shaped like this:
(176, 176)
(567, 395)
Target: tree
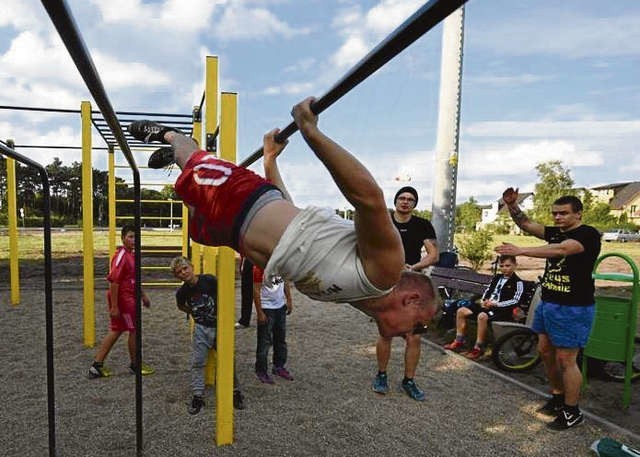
(555, 181)
(425, 214)
(475, 247)
(599, 215)
(468, 215)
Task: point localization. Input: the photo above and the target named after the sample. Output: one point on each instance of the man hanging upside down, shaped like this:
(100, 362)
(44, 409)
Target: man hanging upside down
(327, 258)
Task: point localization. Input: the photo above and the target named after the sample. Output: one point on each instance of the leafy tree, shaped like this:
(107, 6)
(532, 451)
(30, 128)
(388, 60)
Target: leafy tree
(599, 215)
(555, 181)
(475, 247)
(468, 215)
(425, 214)
(503, 224)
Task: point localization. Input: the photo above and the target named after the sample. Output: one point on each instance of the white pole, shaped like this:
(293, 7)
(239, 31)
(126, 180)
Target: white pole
(446, 161)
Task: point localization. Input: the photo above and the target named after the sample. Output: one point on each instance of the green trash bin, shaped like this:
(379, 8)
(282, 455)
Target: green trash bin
(614, 328)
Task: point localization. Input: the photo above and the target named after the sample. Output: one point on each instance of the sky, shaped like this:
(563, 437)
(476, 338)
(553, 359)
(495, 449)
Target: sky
(542, 81)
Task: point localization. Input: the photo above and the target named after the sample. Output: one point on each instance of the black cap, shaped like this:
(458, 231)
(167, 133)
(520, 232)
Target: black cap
(409, 189)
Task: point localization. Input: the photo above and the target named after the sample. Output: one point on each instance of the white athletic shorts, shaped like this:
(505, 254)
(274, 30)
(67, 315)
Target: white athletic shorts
(318, 253)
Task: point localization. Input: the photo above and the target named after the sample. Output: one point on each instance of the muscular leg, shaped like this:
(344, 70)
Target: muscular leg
(571, 376)
(548, 354)
(183, 147)
(379, 243)
(412, 354)
(383, 352)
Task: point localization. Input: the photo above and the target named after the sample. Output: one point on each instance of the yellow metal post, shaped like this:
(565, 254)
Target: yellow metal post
(12, 207)
(226, 289)
(207, 143)
(112, 202)
(87, 228)
(185, 231)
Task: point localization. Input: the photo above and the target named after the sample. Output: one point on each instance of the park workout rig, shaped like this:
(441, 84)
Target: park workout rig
(111, 127)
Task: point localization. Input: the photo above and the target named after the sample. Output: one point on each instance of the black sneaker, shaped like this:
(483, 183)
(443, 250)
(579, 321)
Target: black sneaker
(238, 400)
(550, 408)
(565, 420)
(196, 404)
(149, 131)
(97, 371)
(161, 158)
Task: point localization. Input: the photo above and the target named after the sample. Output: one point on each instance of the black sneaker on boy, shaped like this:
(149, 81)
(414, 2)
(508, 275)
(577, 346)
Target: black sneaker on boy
(238, 400)
(96, 370)
(196, 404)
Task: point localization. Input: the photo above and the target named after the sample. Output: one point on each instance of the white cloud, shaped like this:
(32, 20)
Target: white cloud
(240, 23)
(552, 129)
(117, 74)
(31, 57)
(521, 158)
(171, 14)
(560, 32)
(291, 88)
(21, 15)
(383, 18)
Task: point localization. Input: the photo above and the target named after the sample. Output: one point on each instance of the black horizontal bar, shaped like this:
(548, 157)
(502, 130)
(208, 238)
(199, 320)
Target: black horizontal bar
(77, 111)
(423, 20)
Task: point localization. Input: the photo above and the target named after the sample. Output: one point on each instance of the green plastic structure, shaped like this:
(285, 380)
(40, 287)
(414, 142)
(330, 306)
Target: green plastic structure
(614, 328)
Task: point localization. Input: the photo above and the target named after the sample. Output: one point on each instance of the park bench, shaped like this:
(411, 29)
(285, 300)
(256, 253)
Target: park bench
(463, 282)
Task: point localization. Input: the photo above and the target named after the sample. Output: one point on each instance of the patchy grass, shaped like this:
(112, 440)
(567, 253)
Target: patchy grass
(68, 243)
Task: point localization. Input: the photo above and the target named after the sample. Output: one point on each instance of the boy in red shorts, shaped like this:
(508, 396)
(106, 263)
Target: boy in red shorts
(121, 297)
(327, 258)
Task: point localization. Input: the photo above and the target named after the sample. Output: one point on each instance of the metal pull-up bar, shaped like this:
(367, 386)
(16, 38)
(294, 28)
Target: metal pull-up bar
(423, 20)
(46, 210)
(65, 24)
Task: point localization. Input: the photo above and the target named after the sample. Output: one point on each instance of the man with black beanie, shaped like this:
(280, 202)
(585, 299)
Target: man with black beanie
(415, 233)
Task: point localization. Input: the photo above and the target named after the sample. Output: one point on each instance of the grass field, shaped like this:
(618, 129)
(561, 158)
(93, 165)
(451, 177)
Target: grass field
(69, 243)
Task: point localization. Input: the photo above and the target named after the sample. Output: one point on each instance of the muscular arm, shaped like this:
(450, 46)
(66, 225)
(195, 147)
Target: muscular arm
(288, 297)
(430, 258)
(271, 150)
(566, 248)
(257, 300)
(379, 244)
(510, 198)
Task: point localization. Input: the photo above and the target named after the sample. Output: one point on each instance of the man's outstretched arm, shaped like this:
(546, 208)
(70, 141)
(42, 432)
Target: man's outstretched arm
(379, 244)
(271, 150)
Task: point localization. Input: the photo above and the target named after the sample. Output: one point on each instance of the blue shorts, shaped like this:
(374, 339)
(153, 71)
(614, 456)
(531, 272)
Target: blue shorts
(567, 326)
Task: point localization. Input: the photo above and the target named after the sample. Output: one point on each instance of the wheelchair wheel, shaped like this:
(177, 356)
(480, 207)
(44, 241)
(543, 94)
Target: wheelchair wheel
(516, 350)
(614, 371)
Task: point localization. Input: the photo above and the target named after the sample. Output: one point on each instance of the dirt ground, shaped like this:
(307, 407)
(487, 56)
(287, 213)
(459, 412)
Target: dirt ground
(328, 410)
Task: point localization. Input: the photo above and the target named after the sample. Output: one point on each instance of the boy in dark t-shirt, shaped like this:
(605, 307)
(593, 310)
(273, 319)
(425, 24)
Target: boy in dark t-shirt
(197, 297)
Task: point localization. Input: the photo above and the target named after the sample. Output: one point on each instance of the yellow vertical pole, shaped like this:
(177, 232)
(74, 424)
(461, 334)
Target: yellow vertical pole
(196, 249)
(12, 208)
(112, 201)
(210, 127)
(226, 288)
(225, 336)
(87, 228)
